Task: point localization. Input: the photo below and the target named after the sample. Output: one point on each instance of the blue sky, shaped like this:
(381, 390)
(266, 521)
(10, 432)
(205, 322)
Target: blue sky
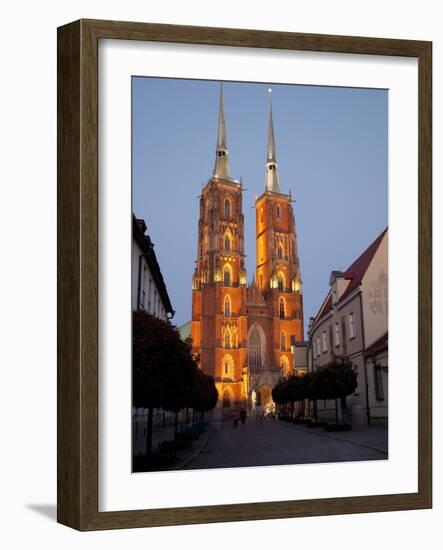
(332, 151)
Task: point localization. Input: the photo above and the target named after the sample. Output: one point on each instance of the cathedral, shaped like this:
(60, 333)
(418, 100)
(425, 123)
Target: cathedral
(244, 334)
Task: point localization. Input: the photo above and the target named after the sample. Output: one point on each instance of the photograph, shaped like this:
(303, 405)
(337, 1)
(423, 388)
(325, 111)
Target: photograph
(259, 274)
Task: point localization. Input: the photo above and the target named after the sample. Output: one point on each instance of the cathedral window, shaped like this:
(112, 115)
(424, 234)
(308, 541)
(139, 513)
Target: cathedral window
(280, 251)
(227, 208)
(227, 367)
(281, 283)
(283, 341)
(227, 243)
(281, 308)
(278, 212)
(227, 340)
(227, 276)
(227, 306)
(255, 348)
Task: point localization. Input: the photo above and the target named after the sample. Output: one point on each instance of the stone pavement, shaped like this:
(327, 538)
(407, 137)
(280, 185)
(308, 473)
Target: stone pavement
(275, 442)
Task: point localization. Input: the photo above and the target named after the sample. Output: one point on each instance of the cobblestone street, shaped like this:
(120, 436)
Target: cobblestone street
(273, 442)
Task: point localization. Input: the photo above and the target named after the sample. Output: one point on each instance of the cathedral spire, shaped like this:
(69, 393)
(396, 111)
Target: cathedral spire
(271, 177)
(221, 168)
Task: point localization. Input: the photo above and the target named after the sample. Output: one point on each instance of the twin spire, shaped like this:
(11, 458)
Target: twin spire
(271, 177)
(222, 169)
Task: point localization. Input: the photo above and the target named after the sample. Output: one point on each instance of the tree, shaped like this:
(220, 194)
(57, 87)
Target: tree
(204, 393)
(163, 367)
(336, 381)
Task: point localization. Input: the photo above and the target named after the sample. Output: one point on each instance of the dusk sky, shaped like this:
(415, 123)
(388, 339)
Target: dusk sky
(332, 152)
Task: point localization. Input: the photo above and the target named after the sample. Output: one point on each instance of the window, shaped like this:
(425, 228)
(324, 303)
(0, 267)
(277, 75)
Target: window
(318, 346)
(351, 325)
(227, 243)
(281, 283)
(280, 251)
(254, 357)
(149, 295)
(227, 367)
(227, 208)
(278, 212)
(337, 334)
(227, 340)
(283, 341)
(227, 277)
(378, 382)
(282, 308)
(324, 341)
(227, 307)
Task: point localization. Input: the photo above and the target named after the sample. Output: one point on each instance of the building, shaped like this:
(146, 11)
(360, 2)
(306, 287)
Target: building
(242, 333)
(352, 322)
(149, 293)
(148, 286)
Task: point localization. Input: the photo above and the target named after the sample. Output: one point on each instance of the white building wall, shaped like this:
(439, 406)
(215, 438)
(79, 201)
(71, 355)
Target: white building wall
(375, 295)
(150, 298)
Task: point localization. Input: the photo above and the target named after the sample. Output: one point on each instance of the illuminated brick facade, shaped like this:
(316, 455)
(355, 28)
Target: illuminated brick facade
(243, 333)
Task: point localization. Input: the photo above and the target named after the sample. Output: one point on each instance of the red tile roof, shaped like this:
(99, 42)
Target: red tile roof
(327, 306)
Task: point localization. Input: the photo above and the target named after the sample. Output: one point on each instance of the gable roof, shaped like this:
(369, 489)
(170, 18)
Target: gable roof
(354, 274)
(356, 270)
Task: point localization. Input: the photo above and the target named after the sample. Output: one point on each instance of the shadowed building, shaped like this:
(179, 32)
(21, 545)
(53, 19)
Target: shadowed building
(243, 333)
(352, 323)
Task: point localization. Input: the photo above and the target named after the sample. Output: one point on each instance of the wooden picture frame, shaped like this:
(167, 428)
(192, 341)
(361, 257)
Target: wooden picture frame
(78, 274)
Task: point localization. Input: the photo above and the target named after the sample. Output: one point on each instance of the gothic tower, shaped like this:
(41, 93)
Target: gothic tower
(278, 267)
(243, 335)
(219, 325)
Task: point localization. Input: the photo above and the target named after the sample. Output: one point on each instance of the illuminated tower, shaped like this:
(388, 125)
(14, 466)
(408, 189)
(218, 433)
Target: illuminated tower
(219, 324)
(243, 335)
(278, 267)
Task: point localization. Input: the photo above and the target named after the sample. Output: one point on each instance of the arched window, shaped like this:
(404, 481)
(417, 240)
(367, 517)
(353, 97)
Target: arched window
(280, 251)
(227, 208)
(281, 282)
(227, 367)
(226, 399)
(281, 308)
(227, 276)
(227, 306)
(227, 339)
(227, 243)
(283, 341)
(255, 348)
(278, 212)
